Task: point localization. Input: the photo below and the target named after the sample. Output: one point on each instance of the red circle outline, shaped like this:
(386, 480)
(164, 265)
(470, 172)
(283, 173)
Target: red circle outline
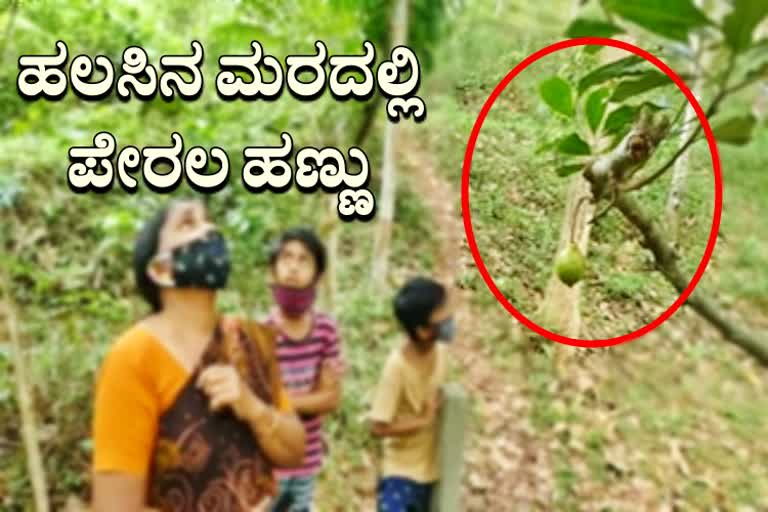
(465, 209)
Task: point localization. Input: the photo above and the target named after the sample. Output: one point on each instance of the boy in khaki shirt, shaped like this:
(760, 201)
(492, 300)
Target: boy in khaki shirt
(407, 398)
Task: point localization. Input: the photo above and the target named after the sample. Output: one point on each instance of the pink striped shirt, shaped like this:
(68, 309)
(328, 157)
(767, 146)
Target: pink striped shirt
(300, 365)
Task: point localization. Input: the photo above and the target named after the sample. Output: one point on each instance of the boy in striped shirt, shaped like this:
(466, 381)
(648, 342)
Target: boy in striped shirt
(309, 353)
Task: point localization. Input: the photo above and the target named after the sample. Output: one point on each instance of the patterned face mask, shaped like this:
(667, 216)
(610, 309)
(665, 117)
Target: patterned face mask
(202, 263)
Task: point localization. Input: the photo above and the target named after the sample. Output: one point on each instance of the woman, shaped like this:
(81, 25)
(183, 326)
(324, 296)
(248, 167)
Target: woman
(190, 413)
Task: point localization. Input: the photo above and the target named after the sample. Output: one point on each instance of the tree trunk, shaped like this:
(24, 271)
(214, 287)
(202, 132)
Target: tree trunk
(680, 171)
(329, 231)
(26, 407)
(760, 104)
(369, 116)
(331, 235)
(560, 312)
(386, 199)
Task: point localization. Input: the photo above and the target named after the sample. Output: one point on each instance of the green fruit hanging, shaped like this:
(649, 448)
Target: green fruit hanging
(570, 265)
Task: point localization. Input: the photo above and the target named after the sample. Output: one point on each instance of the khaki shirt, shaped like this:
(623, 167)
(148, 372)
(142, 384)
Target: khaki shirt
(404, 389)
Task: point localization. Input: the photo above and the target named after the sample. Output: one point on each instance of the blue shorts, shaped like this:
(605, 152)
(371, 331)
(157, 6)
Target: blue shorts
(396, 494)
(295, 495)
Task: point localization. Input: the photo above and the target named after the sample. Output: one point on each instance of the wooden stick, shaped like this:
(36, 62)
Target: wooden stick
(26, 407)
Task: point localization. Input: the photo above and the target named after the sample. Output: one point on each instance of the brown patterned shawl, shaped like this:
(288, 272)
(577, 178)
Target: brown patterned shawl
(211, 461)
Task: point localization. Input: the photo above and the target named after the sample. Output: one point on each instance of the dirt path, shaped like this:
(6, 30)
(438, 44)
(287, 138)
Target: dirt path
(507, 467)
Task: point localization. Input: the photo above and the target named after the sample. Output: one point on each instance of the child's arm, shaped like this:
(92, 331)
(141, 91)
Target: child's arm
(326, 396)
(408, 425)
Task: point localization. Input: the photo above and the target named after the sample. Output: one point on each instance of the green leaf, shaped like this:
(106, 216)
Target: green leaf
(584, 27)
(619, 119)
(619, 68)
(740, 23)
(757, 73)
(557, 93)
(594, 107)
(567, 170)
(647, 81)
(672, 19)
(573, 145)
(545, 146)
(756, 59)
(736, 130)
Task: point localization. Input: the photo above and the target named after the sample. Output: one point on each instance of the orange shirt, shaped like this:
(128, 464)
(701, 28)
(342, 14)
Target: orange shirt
(138, 381)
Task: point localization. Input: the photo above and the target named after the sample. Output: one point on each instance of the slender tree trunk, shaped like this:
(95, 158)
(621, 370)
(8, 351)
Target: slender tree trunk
(760, 104)
(560, 312)
(26, 405)
(14, 7)
(369, 116)
(329, 231)
(680, 171)
(386, 199)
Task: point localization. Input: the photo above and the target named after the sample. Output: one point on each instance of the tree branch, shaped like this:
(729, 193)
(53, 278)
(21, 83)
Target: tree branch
(679, 112)
(723, 91)
(642, 182)
(744, 83)
(664, 168)
(666, 262)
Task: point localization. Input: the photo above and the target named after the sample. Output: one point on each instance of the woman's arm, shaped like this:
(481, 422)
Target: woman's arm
(281, 435)
(122, 449)
(118, 492)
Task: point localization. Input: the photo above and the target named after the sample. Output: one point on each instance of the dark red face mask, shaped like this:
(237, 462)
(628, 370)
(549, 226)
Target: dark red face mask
(294, 301)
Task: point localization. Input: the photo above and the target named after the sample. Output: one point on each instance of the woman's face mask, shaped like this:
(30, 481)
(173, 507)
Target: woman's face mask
(201, 263)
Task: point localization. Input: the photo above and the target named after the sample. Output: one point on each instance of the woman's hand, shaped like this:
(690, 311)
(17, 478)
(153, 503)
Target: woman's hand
(280, 434)
(224, 385)
(225, 388)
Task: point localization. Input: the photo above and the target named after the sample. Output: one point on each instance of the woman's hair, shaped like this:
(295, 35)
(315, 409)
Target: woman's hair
(144, 250)
(416, 301)
(308, 238)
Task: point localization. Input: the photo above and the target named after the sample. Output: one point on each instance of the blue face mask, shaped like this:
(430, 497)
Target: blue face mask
(445, 330)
